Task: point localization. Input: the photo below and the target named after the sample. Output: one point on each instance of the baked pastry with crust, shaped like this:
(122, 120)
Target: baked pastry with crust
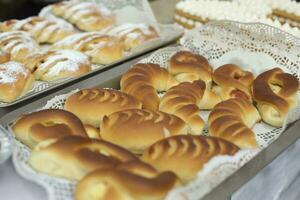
(232, 82)
(92, 132)
(102, 49)
(15, 80)
(4, 57)
(59, 64)
(133, 35)
(142, 183)
(144, 81)
(91, 105)
(18, 43)
(136, 129)
(87, 16)
(185, 101)
(275, 94)
(42, 125)
(232, 120)
(43, 30)
(185, 155)
(73, 157)
(187, 66)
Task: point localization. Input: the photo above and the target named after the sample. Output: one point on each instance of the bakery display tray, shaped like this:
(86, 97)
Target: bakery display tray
(168, 34)
(110, 79)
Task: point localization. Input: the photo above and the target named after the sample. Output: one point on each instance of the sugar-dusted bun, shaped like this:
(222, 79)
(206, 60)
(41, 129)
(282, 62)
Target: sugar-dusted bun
(87, 16)
(43, 30)
(15, 80)
(232, 120)
(36, 127)
(187, 66)
(124, 183)
(59, 64)
(90, 105)
(73, 157)
(4, 57)
(92, 132)
(185, 101)
(133, 35)
(136, 129)
(185, 155)
(275, 93)
(102, 49)
(18, 43)
(232, 82)
(144, 81)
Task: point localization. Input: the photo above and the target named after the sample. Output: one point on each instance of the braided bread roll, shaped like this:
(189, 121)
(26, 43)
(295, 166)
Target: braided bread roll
(102, 49)
(232, 82)
(275, 93)
(73, 157)
(18, 44)
(136, 129)
(4, 57)
(39, 126)
(87, 16)
(232, 120)
(142, 183)
(187, 66)
(59, 64)
(143, 81)
(185, 155)
(91, 105)
(43, 30)
(185, 101)
(15, 80)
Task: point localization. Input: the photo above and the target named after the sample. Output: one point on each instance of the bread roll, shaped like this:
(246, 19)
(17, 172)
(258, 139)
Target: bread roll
(90, 105)
(124, 183)
(275, 94)
(15, 80)
(185, 101)
(59, 64)
(92, 132)
(187, 66)
(185, 155)
(232, 82)
(73, 157)
(232, 120)
(87, 16)
(4, 57)
(38, 126)
(102, 49)
(136, 129)
(143, 81)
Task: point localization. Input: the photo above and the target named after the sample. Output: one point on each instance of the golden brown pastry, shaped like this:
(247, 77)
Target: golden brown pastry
(90, 105)
(87, 16)
(232, 120)
(136, 129)
(123, 183)
(275, 93)
(185, 101)
(232, 82)
(92, 132)
(59, 64)
(43, 30)
(39, 126)
(102, 49)
(187, 66)
(73, 157)
(15, 80)
(143, 81)
(18, 43)
(133, 35)
(4, 57)
(185, 155)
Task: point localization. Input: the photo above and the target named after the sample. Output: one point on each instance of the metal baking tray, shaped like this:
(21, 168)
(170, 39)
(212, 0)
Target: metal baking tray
(111, 78)
(169, 33)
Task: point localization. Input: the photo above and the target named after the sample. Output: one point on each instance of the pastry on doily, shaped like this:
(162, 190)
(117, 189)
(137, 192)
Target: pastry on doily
(102, 49)
(4, 57)
(58, 64)
(43, 30)
(87, 16)
(15, 80)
